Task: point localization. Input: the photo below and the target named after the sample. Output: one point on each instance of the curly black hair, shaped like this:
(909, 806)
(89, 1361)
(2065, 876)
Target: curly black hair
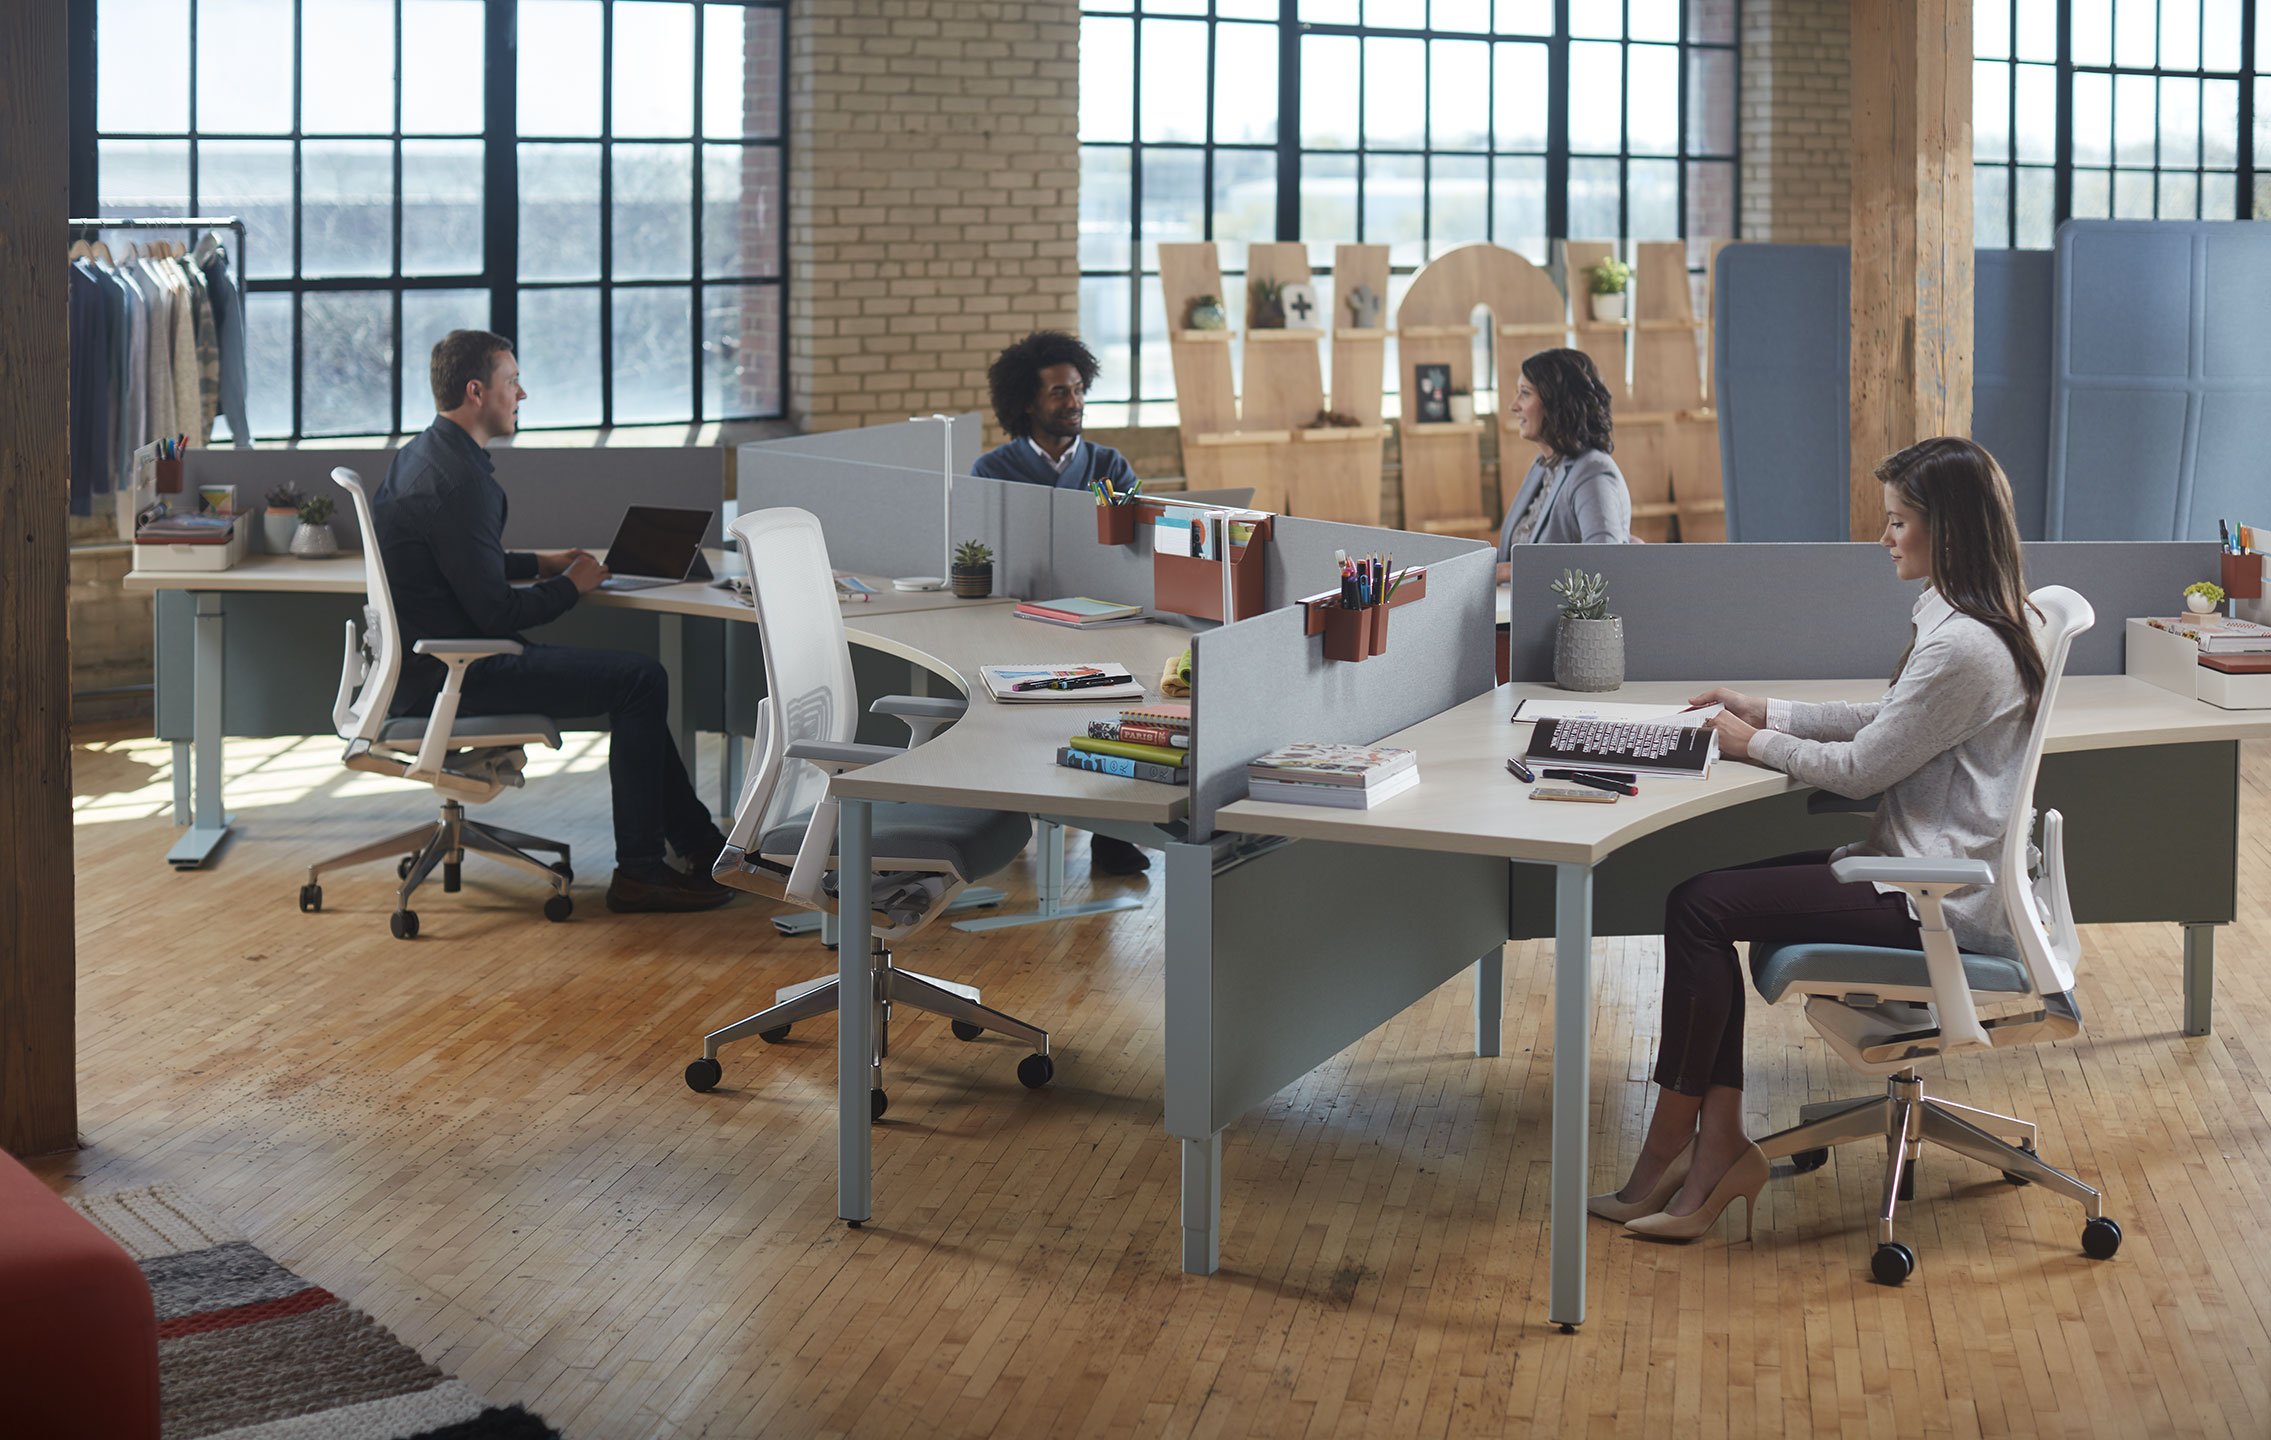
(1576, 402)
(1015, 378)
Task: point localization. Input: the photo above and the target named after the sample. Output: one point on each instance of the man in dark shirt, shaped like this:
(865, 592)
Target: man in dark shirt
(440, 518)
(1040, 386)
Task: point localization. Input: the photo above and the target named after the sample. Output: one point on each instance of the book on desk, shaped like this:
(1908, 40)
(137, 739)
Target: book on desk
(1682, 751)
(1342, 777)
(1083, 684)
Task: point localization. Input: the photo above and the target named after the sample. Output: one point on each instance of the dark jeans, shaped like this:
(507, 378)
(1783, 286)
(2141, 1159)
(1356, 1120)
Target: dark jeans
(654, 800)
(1791, 897)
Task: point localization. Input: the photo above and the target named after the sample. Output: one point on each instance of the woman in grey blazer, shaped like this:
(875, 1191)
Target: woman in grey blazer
(1573, 493)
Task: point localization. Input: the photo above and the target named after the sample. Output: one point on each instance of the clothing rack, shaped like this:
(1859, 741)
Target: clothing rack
(168, 222)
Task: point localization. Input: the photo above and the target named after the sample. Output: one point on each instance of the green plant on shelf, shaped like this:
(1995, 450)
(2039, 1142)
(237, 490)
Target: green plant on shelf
(971, 554)
(317, 511)
(286, 496)
(1609, 277)
(2208, 588)
(1583, 596)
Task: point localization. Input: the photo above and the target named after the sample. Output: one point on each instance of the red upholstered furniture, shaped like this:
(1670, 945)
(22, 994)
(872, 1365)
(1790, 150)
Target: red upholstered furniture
(78, 1336)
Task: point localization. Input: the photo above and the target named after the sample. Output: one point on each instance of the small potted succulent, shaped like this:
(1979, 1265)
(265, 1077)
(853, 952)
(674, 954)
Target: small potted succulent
(1588, 644)
(314, 540)
(1206, 313)
(973, 571)
(2203, 598)
(281, 518)
(1607, 284)
(1265, 304)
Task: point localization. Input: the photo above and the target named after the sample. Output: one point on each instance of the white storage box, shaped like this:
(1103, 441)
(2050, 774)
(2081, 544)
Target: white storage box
(2173, 663)
(158, 555)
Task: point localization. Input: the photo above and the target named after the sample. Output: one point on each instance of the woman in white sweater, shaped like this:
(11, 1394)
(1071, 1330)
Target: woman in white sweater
(1942, 746)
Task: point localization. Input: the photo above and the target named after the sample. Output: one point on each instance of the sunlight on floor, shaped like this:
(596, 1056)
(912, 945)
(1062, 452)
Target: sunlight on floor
(133, 779)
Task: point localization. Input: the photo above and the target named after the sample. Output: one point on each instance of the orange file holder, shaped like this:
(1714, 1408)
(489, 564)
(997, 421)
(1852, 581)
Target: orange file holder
(1193, 587)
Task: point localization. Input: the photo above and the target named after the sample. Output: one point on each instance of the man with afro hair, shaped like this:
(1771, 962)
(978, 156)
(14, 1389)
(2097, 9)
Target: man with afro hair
(1039, 385)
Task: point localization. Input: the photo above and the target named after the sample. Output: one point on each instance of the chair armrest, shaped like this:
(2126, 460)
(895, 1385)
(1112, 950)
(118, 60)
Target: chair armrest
(835, 759)
(1823, 802)
(446, 650)
(1905, 872)
(459, 656)
(925, 716)
(1927, 883)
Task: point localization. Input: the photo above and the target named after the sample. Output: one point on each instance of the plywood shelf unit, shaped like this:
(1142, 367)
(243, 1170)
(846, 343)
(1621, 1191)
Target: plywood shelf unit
(1255, 429)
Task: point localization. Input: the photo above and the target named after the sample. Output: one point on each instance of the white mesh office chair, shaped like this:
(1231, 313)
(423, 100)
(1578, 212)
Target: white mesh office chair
(1884, 1011)
(783, 841)
(468, 761)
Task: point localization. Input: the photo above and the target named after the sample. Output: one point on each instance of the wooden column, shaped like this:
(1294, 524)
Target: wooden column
(38, 1096)
(1912, 260)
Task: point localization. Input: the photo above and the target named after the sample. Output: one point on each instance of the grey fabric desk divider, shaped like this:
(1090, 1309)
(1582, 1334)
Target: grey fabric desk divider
(558, 497)
(2162, 399)
(1262, 683)
(906, 444)
(1813, 612)
(1781, 351)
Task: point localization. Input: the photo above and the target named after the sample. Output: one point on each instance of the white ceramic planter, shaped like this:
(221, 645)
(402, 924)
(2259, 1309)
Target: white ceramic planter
(1589, 654)
(314, 542)
(1608, 307)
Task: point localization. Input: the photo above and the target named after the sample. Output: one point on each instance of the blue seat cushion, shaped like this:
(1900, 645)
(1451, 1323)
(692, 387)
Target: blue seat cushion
(1864, 968)
(975, 843)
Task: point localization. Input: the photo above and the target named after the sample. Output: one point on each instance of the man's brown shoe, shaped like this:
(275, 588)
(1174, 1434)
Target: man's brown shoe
(629, 894)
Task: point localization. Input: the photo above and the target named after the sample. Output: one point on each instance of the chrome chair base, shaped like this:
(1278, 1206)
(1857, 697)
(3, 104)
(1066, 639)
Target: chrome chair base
(444, 842)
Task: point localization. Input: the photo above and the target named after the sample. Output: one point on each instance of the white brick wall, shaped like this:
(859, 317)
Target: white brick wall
(1796, 121)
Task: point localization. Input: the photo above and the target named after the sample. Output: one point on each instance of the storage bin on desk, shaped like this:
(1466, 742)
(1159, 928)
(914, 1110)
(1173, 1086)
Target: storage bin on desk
(180, 557)
(1190, 586)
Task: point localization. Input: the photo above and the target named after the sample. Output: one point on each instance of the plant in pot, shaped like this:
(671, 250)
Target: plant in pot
(281, 518)
(1462, 404)
(1607, 284)
(1588, 644)
(973, 571)
(2203, 597)
(314, 540)
(1265, 304)
(1207, 314)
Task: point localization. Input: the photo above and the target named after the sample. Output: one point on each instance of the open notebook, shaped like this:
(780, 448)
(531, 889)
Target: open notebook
(1059, 684)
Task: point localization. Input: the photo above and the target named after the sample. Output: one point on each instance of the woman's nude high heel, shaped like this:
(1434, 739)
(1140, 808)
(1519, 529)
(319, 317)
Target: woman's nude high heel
(1609, 1207)
(1744, 1179)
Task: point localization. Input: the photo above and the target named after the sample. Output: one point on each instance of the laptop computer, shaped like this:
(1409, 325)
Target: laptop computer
(655, 545)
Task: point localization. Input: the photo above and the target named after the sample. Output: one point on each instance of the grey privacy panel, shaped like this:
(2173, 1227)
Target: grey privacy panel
(2160, 380)
(908, 444)
(1812, 612)
(1262, 683)
(1781, 316)
(879, 492)
(2010, 374)
(555, 497)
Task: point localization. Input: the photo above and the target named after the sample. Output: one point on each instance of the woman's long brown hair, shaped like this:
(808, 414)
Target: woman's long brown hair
(1965, 500)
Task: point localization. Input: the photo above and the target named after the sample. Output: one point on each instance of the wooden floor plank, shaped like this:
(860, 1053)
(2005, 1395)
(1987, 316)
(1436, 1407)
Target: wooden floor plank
(482, 1138)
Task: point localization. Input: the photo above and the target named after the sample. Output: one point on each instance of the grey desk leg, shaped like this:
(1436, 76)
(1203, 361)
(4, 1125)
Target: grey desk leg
(729, 775)
(181, 768)
(1490, 1002)
(210, 825)
(1572, 1071)
(2199, 978)
(1049, 886)
(855, 985)
(1202, 1205)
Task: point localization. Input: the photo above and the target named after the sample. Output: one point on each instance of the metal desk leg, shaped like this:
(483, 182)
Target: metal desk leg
(1490, 1002)
(181, 769)
(729, 775)
(855, 987)
(211, 823)
(1572, 1072)
(1202, 1205)
(1049, 836)
(2199, 978)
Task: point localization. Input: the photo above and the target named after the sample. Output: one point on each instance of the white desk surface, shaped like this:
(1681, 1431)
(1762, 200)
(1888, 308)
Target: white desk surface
(1467, 803)
(343, 575)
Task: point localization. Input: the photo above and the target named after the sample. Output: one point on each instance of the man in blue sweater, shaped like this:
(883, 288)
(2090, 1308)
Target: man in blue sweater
(1039, 386)
(441, 518)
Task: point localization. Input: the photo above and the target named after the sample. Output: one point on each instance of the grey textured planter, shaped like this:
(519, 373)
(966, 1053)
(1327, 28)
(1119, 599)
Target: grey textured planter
(1589, 654)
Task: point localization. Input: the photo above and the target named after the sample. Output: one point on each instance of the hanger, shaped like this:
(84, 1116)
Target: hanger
(101, 252)
(80, 249)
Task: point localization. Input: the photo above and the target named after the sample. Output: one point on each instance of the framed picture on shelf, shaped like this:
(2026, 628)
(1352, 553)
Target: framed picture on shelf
(1432, 384)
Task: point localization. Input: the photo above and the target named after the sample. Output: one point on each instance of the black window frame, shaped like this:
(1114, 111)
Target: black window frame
(500, 224)
(1290, 151)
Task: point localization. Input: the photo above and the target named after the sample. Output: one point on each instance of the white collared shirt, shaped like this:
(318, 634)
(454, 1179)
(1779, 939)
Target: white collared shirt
(1058, 465)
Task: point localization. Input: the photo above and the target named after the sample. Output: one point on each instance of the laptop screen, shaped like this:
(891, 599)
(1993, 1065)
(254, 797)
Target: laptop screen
(657, 540)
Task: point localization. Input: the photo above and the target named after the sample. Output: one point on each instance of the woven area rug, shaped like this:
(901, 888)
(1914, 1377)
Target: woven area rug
(249, 1351)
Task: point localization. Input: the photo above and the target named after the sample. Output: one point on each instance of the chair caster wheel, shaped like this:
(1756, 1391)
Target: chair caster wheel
(2100, 1238)
(877, 1103)
(404, 924)
(775, 1035)
(1805, 1160)
(403, 867)
(311, 899)
(1035, 1071)
(1893, 1263)
(964, 1030)
(453, 877)
(703, 1075)
(558, 908)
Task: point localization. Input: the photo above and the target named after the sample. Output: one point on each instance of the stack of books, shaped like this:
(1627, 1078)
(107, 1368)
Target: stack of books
(2224, 662)
(1151, 742)
(1078, 611)
(1347, 777)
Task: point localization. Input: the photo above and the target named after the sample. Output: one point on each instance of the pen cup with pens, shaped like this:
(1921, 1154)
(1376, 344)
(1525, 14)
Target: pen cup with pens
(168, 464)
(1355, 621)
(1116, 511)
